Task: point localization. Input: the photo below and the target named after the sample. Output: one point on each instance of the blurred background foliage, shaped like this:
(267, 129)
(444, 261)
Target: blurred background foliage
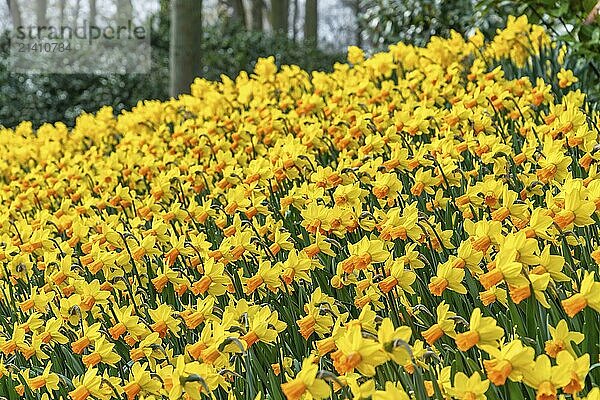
(415, 22)
(232, 43)
(573, 24)
(228, 48)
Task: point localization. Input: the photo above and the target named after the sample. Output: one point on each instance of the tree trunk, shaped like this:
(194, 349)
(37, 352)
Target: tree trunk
(93, 11)
(41, 7)
(295, 20)
(311, 18)
(165, 14)
(591, 17)
(357, 11)
(76, 12)
(15, 13)
(61, 12)
(239, 13)
(279, 16)
(257, 15)
(185, 48)
(124, 12)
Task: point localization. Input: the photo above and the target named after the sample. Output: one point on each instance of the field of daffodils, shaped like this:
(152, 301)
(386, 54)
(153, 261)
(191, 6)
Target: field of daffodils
(418, 224)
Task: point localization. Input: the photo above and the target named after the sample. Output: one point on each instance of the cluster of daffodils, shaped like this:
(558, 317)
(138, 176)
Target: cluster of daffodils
(413, 225)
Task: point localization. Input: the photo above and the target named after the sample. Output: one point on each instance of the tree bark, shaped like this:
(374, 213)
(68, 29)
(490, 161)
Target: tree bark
(185, 48)
(239, 13)
(295, 10)
(165, 15)
(93, 11)
(279, 16)
(591, 17)
(257, 15)
(124, 12)
(61, 12)
(41, 7)
(311, 21)
(76, 12)
(357, 10)
(15, 13)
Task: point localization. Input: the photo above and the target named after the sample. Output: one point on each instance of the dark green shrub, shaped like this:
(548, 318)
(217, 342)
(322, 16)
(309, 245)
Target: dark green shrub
(227, 50)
